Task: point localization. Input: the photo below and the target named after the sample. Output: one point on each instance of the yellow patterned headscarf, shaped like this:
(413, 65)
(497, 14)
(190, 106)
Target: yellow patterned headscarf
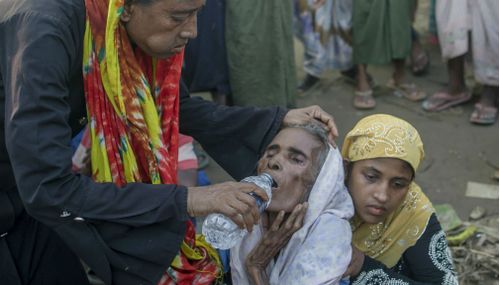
(385, 136)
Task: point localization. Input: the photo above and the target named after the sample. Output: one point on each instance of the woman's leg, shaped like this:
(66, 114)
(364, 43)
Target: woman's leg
(399, 71)
(363, 96)
(362, 83)
(486, 109)
(402, 89)
(456, 92)
(456, 74)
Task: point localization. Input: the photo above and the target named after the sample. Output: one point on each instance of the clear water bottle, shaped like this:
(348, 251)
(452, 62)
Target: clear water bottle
(220, 231)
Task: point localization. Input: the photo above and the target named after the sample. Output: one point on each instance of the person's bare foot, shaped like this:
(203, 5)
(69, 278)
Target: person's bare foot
(363, 95)
(486, 109)
(362, 80)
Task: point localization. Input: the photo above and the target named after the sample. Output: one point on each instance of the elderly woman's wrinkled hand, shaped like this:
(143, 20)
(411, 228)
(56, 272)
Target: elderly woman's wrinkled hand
(276, 237)
(313, 113)
(229, 198)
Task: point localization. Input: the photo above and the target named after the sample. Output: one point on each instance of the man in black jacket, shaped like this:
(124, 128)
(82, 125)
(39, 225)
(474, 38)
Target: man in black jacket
(127, 235)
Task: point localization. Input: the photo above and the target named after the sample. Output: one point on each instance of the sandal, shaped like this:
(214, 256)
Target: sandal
(442, 100)
(363, 100)
(407, 90)
(483, 115)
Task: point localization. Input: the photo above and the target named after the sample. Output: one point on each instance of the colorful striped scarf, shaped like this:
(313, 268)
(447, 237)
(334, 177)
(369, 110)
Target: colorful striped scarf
(133, 110)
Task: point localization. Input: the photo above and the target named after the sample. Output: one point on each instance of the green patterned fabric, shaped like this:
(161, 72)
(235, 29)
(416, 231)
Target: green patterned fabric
(381, 30)
(259, 42)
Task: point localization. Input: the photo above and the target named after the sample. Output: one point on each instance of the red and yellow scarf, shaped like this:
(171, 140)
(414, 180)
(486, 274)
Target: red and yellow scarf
(133, 110)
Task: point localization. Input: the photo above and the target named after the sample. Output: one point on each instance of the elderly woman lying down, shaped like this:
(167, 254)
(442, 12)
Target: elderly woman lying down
(304, 236)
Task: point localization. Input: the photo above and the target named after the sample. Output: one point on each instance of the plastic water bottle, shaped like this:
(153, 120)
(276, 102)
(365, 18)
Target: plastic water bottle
(220, 231)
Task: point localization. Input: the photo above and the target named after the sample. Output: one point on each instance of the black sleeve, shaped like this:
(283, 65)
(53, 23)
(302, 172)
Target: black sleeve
(234, 136)
(38, 138)
(133, 230)
(429, 261)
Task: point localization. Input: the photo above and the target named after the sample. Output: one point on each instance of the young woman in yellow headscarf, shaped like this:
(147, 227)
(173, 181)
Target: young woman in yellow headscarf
(396, 236)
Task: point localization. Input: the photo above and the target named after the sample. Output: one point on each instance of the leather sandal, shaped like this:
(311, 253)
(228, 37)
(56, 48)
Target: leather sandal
(363, 100)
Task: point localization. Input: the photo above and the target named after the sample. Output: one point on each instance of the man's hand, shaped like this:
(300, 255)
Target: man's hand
(275, 238)
(229, 198)
(357, 260)
(311, 113)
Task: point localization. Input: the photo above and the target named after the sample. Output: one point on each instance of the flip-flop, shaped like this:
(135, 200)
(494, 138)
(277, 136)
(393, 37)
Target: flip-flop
(442, 100)
(407, 90)
(483, 115)
(363, 100)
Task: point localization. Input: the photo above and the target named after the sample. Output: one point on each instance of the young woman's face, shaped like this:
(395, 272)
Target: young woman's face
(378, 187)
(290, 159)
(163, 27)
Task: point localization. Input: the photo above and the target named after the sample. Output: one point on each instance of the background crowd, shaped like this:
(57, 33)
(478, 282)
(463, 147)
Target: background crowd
(351, 37)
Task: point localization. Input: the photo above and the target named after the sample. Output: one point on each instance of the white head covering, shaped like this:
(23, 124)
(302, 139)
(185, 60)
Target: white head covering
(320, 251)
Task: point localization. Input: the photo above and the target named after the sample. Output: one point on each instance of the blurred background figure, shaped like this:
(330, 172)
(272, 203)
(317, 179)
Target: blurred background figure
(259, 43)
(419, 57)
(455, 19)
(382, 34)
(205, 57)
(324, 28)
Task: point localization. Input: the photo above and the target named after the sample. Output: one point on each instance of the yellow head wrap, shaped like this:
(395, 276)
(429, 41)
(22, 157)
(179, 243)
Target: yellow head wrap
(385, 136)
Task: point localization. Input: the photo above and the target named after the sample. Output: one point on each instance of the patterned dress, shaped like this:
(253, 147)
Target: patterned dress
(429, 261)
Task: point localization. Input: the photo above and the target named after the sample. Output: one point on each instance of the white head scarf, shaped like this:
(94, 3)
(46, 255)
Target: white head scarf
(320, 251)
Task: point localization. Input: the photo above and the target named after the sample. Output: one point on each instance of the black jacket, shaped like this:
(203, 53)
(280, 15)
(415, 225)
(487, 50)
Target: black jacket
(127, 235)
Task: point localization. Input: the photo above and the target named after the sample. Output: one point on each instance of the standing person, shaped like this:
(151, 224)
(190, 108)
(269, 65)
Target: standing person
(397, 238)
(205, 58)
(382, 34)
(419, 57)
(454, 21)
(259, 42)
(324, 27)
(121, 60)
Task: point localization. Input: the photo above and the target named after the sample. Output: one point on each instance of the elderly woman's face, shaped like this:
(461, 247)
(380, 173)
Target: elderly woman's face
(163, 27)
(378, 187)
(290, 160)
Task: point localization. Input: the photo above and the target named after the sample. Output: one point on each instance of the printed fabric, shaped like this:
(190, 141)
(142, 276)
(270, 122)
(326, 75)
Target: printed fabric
(133, 110)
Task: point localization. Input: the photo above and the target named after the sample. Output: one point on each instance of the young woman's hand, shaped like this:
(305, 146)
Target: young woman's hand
(357, 260)
(273, 240)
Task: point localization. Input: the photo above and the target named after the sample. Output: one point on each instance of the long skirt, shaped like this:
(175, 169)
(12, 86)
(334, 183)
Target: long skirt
(205, 57)
(455, 18)
(381, 30)
(325, 33)
(259, 43)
